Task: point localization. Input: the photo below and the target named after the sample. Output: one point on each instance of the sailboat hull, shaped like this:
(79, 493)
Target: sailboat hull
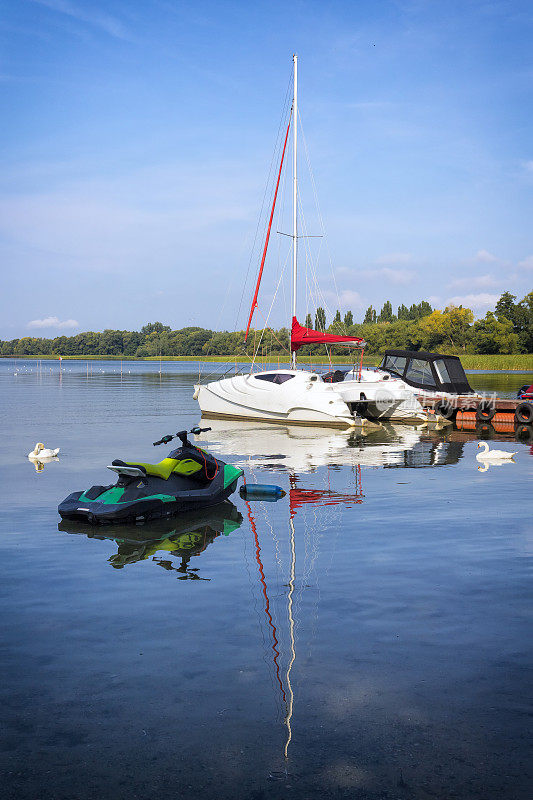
(299, 398)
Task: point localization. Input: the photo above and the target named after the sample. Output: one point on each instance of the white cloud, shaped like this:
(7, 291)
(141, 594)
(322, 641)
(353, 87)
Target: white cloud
(484, 257)
(527, 263)
(475, 301)
(479, 282)
(350, 299)
(395, 258)
(400, 277)
(99, 19)
(345, 298)
(53, 322)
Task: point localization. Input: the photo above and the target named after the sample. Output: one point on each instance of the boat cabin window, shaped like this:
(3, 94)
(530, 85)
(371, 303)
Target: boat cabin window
(456, 371)
(442, 372)
(395, 364)
(419, 371)
(274, 377)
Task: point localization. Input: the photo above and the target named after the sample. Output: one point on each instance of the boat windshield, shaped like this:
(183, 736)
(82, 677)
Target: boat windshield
(394, 364)
(274, 377)
(442, 372)
(419, 371)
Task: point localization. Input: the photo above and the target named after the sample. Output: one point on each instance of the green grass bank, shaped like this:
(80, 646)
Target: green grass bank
(517, 363)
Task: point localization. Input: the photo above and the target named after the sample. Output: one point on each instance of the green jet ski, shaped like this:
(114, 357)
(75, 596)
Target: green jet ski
(189, 479)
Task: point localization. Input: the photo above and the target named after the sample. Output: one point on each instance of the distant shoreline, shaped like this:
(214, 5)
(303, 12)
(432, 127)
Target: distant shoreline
(512, 363)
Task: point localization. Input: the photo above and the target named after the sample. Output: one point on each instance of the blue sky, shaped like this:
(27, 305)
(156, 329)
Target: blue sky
(137, 139)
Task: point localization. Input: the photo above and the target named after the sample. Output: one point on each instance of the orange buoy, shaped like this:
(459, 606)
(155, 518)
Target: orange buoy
(466, 420)
(503, 416)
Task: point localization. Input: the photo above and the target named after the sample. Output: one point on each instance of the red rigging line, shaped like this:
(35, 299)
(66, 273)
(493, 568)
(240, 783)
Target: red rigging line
(267, 601)
(254, 301)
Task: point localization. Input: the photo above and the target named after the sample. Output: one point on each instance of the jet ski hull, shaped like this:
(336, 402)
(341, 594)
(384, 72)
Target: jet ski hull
(152, 498)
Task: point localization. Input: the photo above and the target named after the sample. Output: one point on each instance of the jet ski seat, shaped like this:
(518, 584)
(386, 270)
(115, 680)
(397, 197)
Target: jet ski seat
(182, 466)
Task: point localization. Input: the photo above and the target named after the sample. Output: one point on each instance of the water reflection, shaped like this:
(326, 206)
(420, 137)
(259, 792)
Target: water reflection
(487, 464)
(40, 463)
(304, 449)
(181, 538)
(394, 680)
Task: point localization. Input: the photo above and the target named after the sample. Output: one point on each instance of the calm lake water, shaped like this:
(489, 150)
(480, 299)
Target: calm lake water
(367, 636)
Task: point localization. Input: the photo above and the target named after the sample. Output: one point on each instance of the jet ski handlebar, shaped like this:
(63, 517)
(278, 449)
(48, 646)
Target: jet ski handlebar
(181, 435)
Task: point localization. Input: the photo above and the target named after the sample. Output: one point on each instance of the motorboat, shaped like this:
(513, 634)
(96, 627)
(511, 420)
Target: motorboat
(296, 395)
(437, 379)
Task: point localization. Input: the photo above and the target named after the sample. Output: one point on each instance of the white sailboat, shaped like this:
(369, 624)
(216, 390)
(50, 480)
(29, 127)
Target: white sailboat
(301, 396)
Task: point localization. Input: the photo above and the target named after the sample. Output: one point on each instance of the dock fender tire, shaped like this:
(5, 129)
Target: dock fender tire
(524, 433)
(485, 411)
(446, 410)
(524, 413)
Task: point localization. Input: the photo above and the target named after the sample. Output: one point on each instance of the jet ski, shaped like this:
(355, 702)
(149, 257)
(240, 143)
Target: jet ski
(181, 537)
(189, 479)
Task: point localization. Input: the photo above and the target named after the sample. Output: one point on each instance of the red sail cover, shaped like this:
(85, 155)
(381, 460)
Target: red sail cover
(301, 336)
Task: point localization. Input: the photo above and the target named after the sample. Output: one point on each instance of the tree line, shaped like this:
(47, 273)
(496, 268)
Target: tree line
(507, 329)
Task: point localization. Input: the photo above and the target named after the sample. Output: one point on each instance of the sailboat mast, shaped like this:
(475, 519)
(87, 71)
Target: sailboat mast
(294, 192)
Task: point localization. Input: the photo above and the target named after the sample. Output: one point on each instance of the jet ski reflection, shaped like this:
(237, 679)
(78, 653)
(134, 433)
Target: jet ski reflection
(180, 537)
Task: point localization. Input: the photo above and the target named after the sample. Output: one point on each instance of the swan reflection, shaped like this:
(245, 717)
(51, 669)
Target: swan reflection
(40, 463)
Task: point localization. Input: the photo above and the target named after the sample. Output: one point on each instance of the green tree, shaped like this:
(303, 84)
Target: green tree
(424, 309)
(348, 319)
(495, 335)
(370, 316)
(386, 315)
(525, 323)
(337, 326)
(154, 327)
(111, 343)
(450, 328)
(456, 327)
(506, 307)
(320, 319)
(308, 321)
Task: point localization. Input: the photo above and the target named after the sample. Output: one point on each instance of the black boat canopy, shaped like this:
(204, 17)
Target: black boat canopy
(431, 371)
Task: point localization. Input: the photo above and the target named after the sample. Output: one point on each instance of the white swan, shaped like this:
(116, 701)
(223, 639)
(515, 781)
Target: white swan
(40, 452)
(493, 455)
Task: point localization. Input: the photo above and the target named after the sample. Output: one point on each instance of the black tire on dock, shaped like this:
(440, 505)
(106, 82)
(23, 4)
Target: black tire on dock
(485, 411)
(524, 413)
(446, 410)
(524, 433)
